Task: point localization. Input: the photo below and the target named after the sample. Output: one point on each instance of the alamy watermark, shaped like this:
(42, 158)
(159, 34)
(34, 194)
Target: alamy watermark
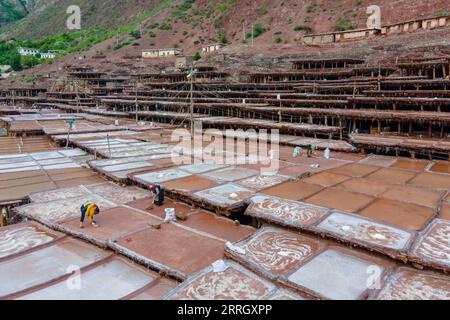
(73, 21)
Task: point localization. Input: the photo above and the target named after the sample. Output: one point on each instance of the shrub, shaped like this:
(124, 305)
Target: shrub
(310, 8)
(165, 26)
(441, 13)
(343, 24)
(224, 39)
(197, 56)
(135, 34)
(258, 29)
(302, 28)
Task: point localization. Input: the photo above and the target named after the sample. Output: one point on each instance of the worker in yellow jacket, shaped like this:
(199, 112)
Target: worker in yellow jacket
(89, 210)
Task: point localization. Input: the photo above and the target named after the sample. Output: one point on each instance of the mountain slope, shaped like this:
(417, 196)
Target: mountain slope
(48, 17)
(208, 18)
(12, 10)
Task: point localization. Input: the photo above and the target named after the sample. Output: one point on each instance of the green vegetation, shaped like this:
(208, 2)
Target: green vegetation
(11, 13)
(310, 8)
(76, 41)
(165, 26)
(180, 11)
(122, 44)
(278, 40)
(290, 20)
(302, 28)
(152, 34)
(135, 34)
(261, 10)
(343, 24)
(223, 38)
(442, 13)
(258, 29)
(197, 56)
(358, 2)
(153, 26)
(14, 62)
(307, 19)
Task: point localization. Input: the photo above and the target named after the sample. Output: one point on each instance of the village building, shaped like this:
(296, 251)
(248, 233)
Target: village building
(51, 54)
(212, 48)
(161, 53)
(28, 51)
(408, 26)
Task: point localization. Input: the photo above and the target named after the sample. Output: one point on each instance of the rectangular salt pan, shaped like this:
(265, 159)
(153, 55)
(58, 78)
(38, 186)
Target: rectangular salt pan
(111, 281)
(44, 265)
(365, 230)
(335, 275)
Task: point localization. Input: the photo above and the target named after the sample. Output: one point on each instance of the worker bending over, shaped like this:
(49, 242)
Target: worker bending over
(157, 195)
(89, 210)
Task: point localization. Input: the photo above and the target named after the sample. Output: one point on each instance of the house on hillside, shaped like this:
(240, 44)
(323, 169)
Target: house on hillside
(48, 55)
(28, 51)
(212, 48)
(51, 54)
(161, 53)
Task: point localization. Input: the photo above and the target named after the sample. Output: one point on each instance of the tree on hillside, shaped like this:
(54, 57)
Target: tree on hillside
(15, 62)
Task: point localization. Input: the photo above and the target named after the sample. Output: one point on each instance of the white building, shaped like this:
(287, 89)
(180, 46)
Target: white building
(211, 48)
(160, 53)
(51, 54)
(28, 51)
(48, 55)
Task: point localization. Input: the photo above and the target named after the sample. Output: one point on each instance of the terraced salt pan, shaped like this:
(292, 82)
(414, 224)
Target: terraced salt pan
(41, 266)
(21, 169)
(46, 155)
(22, 237)
(231, 174)
(67, 165)
(162, 176)
(286, 212)
(355, 228)
(110, 281)
(55, 161)
(127, 166)
(335, 275)
(380, 161)
(236, 283)
(73, 153)
(409, 284)
(36, 161)
(433, 245)
(274, 251)
(263, 181)
(227, 194)
(201, 167)
(61, 210)
(117, 194)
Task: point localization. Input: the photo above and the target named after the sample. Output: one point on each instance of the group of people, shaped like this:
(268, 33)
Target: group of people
(310, 152)
(90, 210)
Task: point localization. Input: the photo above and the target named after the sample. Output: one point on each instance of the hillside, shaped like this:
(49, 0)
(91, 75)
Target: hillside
(49, 17)
(207, 19)
(122, 29)
(12, 10)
